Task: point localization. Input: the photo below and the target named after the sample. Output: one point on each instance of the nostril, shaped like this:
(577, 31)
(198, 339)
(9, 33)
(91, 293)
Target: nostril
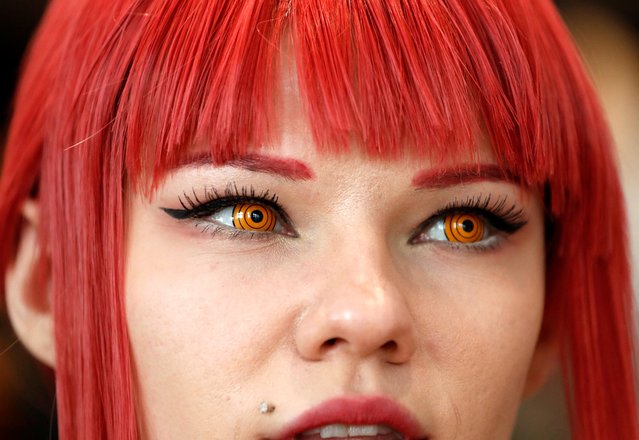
(390, 346)
(330, 342)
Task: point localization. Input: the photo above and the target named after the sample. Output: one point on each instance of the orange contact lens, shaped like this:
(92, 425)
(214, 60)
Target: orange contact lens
(253, 217)
(463, 228)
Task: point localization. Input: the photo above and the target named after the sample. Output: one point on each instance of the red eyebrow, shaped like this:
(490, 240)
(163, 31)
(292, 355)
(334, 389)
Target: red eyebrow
(284, 167)
(445, 177)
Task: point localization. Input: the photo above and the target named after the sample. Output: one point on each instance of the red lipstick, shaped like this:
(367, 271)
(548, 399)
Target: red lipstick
(356, 410)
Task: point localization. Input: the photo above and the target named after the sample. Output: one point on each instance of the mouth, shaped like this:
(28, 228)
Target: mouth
(356, 417)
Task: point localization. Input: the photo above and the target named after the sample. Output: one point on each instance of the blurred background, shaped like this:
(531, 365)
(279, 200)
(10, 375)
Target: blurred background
(607, 32)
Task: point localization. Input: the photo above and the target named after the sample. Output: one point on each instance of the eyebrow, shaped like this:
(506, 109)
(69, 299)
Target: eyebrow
(459, 175)
(288, 168)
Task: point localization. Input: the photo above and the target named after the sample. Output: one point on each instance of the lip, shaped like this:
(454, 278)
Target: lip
(356, 410)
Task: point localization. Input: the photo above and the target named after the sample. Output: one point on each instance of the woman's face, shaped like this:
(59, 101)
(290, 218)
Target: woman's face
(364, 293)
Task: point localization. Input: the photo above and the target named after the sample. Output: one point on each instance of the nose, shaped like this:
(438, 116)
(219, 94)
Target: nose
(359, 309)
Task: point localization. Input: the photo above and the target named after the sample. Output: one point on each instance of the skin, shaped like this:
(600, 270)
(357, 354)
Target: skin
(347, 306)
(254, 317)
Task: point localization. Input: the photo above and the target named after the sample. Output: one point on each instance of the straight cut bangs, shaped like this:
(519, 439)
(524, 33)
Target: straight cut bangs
(114, 93)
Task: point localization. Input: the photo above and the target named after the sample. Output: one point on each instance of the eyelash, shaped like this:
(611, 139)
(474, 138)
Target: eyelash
(502, 217)
(214, 201)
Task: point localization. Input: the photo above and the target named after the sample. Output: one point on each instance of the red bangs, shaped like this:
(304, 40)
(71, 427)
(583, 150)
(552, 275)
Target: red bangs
(423, 77)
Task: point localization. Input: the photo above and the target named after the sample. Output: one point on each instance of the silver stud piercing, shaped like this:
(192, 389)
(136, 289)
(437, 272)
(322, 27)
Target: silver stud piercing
(266, 407)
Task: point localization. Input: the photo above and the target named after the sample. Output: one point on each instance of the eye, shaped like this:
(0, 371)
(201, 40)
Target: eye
(240, 212)
(481, 222)
(252, 217)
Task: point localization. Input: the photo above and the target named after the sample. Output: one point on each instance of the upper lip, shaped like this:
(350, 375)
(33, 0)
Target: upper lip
(356, 410)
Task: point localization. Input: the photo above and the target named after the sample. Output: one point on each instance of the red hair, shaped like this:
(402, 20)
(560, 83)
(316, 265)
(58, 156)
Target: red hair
(114, 91)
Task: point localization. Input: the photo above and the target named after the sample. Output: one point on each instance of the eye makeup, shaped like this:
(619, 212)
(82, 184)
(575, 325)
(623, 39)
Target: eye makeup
(477, 223)
(239, 212)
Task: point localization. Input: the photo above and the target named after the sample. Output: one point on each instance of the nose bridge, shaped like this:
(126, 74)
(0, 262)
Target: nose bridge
(359, 307)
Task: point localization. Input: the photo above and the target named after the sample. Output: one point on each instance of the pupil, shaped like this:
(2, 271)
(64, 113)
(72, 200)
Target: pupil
(257, 216)
(468, 225)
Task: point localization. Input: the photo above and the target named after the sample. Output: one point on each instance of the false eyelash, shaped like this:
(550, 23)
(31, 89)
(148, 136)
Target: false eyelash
(501, 215)
(214, 200)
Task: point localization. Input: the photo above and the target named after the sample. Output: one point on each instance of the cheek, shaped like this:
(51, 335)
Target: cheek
(480, 320)
(201, 329)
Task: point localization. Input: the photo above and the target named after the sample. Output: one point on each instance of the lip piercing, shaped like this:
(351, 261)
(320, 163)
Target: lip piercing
(266, 407)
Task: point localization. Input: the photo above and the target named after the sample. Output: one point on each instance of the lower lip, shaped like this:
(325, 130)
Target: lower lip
(357, 410)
